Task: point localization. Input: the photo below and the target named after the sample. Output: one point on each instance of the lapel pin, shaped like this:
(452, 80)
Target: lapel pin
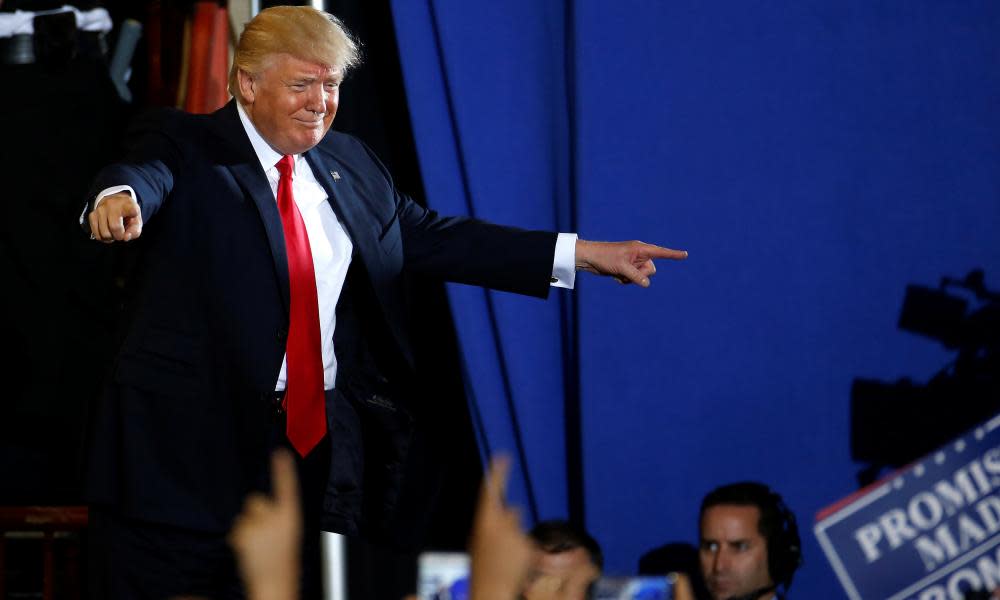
(335, 175)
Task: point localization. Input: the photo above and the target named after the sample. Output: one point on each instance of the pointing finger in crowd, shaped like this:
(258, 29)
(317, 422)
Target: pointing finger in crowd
(495, 484)
(284, 482)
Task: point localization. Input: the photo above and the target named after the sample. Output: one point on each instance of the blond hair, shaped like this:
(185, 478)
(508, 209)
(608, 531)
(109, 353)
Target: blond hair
(301, 31)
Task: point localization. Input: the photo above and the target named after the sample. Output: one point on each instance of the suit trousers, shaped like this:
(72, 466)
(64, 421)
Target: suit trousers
(134, 559)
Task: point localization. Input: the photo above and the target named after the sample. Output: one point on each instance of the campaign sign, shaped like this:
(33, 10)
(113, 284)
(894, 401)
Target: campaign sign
(928, 532)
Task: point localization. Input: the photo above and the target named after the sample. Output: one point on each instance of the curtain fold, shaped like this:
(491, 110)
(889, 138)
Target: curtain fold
(487, 94)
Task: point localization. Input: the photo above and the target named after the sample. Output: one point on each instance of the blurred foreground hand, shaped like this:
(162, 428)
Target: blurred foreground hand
(501, 552)
(267, 535)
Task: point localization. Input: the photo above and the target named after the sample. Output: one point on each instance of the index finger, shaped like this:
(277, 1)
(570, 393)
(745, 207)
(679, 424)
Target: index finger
(660, 252)
(284, 480)
(495, 482)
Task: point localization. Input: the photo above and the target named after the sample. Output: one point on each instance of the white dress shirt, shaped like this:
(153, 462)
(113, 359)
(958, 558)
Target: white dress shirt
(328, 240)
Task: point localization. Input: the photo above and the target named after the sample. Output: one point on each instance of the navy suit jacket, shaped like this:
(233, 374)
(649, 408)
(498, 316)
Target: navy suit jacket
(180, 434)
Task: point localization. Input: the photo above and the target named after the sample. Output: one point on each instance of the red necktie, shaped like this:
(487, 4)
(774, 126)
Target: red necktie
(304, 398)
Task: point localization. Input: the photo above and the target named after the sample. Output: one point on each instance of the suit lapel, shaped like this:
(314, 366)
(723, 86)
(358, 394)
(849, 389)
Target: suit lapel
(344, 199)
(245, 168)
(363, 226)
(346, 203)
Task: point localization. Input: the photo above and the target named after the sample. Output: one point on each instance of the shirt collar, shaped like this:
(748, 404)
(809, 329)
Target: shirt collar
(267, 155)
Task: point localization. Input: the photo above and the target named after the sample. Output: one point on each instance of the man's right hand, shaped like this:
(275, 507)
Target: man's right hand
(117, 218)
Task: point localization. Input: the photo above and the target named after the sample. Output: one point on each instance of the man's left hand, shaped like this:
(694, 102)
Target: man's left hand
(628, 262)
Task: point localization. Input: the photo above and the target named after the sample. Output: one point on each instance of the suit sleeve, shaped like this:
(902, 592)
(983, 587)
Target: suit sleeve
(466, 250)
(150, 165)
(472, 251)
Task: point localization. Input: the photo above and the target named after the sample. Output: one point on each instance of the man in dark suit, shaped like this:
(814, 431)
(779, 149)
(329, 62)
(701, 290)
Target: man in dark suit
(267, 310)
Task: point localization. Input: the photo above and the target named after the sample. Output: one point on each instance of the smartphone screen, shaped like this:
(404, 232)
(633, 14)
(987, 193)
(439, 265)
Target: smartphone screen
(443, 576)
(633, 588)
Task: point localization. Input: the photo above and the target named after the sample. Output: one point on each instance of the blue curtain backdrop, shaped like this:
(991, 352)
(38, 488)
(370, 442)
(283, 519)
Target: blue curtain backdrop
(486, 84)
(814, 157)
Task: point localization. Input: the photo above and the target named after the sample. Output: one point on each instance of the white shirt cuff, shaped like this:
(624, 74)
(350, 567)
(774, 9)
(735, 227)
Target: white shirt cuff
(114, 190)
(564, 262)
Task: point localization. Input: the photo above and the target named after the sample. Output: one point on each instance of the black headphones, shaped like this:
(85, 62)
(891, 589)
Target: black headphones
(784, 547)
(777, 524)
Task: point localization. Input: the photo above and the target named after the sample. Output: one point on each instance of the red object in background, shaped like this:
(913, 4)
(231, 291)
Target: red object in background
(219, 70)
(208, 59)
